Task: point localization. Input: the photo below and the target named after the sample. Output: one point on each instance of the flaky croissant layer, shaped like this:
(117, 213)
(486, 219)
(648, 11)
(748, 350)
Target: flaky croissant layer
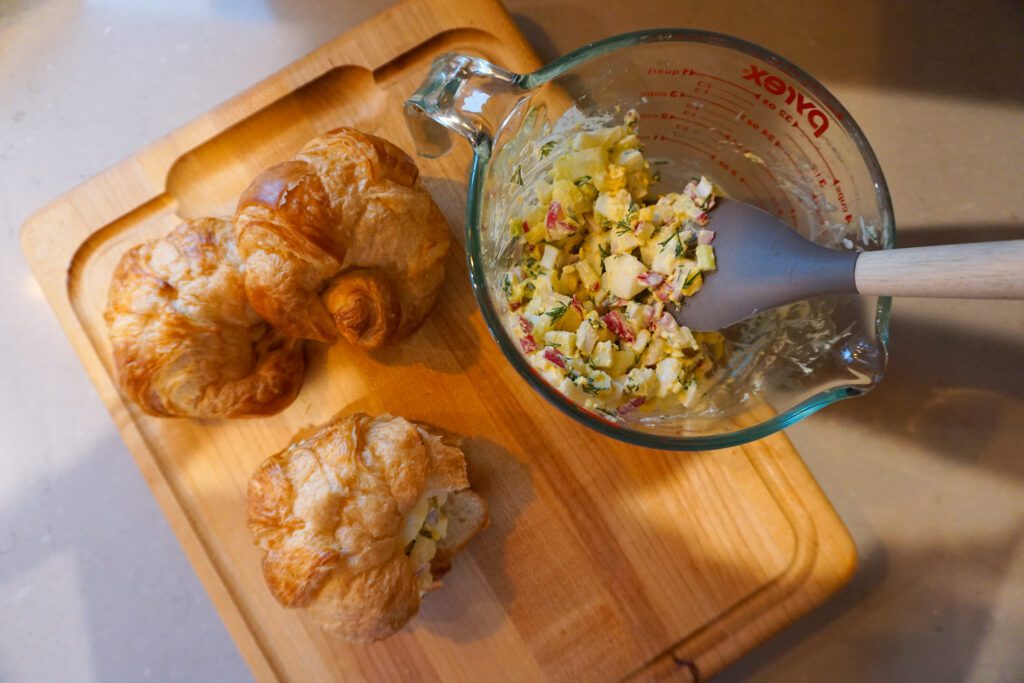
(185, 340)
(342, 240)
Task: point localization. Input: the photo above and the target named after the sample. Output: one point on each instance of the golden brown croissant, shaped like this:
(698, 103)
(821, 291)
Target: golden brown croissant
(359, 520)
(185, 340)
(342, 239)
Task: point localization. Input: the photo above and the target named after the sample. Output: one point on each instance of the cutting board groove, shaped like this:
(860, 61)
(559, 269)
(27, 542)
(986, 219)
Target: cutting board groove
(603, 562)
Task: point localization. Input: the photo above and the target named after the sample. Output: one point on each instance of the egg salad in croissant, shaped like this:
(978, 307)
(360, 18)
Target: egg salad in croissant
(358, 521)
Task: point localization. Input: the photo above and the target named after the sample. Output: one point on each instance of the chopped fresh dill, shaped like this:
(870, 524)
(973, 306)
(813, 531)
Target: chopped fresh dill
(557, 312)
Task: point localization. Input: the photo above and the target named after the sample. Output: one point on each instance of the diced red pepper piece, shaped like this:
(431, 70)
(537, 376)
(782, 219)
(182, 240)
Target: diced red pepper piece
(651, 278)
(631, 406)
(575, 303)
(667, 321)
(528, 343)
(525, 325)
(557, 226)
(612, 301)
(555, 357)
(618, 325)
(554, 213)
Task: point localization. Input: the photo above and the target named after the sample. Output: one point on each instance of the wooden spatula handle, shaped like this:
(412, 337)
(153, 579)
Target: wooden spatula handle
(987, 270)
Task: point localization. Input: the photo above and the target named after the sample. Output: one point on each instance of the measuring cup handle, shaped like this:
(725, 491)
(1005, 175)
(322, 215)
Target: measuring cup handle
(461, 95)
(987, 270)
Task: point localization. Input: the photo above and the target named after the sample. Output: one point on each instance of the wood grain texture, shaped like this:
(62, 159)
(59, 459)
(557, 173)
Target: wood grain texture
(986, 270)
(602, 562)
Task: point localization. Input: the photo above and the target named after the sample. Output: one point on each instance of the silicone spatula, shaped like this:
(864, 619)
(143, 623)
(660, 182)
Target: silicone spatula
(762, 263)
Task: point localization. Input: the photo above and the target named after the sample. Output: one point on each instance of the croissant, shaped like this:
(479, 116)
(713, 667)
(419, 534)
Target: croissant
(184, 338)
(342, 240)
(361, 519)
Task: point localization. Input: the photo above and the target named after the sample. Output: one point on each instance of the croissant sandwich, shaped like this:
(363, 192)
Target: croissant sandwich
(185, 340)
(342, 240)
(360, 520)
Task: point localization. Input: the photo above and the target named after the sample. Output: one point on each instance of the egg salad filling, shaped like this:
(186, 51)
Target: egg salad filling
(424, 526)
(598, 259)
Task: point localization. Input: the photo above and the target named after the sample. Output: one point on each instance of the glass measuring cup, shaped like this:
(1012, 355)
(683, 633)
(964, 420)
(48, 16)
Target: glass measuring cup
(760, 128)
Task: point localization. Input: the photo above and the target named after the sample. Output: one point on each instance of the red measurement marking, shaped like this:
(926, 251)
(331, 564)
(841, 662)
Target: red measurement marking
(654, 71)
(769, 188)
(664, 116)
(687, 131)
(805, 107)
(716, 78)
(816, 149)
(686, 122)
(815, 206)
(785, 151)
(731, 111)
(766, 170)
(714, 138)
(708, 124)
(763, 168)
(711, 112)
(677, 141)
(805, 155)
(744, 181)
(732, 99)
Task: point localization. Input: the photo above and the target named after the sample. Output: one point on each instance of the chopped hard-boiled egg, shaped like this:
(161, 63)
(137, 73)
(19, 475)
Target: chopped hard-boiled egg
(601, 259)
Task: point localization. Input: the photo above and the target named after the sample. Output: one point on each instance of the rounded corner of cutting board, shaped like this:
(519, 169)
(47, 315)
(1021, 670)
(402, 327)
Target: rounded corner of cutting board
(34, 230)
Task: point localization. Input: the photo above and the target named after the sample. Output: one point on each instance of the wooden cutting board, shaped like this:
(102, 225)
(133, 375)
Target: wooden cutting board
(602, 562)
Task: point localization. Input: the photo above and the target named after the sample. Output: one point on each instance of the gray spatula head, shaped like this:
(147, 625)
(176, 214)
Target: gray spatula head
(762, 263)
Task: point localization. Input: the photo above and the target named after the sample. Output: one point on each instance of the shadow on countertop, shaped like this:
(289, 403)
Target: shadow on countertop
(921, 608)
(870, 632)
(97, 516)
(953, 389)
(948, 48)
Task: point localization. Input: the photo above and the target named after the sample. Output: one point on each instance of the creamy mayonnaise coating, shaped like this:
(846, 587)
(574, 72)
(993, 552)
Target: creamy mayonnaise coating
(599, 259)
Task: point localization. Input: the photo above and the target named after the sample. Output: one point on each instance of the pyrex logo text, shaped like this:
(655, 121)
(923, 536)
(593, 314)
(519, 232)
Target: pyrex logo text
(777, 86)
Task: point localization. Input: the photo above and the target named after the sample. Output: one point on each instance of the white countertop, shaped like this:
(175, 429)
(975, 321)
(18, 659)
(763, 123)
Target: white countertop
(927, 471)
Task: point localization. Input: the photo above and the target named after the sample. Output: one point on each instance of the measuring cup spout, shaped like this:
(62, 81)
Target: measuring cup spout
(462, 94)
